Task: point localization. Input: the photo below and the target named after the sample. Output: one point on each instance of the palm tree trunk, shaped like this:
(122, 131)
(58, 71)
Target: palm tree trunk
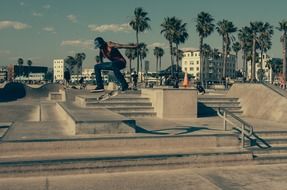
(177, 58)
(201, 61)
(171, 58)
(137, 36)
(261, 67)
(244, 65)
(253, 61)
(284, 58)
(156, 67)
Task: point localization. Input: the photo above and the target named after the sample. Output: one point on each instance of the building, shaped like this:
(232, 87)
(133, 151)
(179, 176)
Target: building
(213, 70)
(58, 69)
(3, 74)
(267, 73)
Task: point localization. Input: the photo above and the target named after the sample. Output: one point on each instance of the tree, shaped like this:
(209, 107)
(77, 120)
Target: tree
(160, 54)
(283, 28)
(265, 33)
(29, 63)
(236, 48)
(225, 28)
(139, 23)
(79, 57)
(156, 52)
(168, 30)
(204, 27)
(131, 55)
(142, 54)
(71, 62)
(20, 63)
(245, 38)
(255, 28)
(180, 36)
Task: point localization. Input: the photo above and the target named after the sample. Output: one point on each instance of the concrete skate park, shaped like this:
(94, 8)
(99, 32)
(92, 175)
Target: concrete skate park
(154, 138)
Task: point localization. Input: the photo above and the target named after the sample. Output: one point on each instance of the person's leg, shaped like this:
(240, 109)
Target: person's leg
(117, 66)
(98, 68)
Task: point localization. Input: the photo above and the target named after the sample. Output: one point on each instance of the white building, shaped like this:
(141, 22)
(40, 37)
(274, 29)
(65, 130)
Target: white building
(267, 76)
(58, 69)
(212, 71)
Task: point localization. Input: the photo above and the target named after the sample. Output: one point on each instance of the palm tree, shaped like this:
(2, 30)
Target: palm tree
(168, 30)
(142, 54)
(206, 52)
(181, 36)
(139, 23)
(71, 62)
(204, 27)
(156, 54)
(160, 54)
(29, 63)
(131, 55)
(236, 48)
(283, 28)
(225, 28)
(79, 57)
(245, 38)
(264, 42)
(20, 63)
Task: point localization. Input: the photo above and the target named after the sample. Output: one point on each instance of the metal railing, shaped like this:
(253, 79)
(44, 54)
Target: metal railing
(245, 128)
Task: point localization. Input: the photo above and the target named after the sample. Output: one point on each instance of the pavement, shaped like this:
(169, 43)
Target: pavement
(263, 177)
(27, 123)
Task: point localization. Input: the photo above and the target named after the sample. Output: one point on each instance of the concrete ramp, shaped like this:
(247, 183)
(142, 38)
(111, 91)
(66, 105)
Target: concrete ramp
(259, 101)
(13, 91)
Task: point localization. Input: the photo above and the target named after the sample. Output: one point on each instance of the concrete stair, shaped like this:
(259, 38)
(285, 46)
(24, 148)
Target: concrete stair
(276, 153)
(129, 105)
(119, 153)
(214, 102)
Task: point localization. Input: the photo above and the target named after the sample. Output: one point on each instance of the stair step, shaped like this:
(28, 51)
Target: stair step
(117, 104)
(264, 134)
(279, 148)
(274, 158)
(131, 108)
(32, 165)
(138, 113)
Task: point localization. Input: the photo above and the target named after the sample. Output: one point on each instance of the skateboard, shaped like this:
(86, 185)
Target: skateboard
(106, 95)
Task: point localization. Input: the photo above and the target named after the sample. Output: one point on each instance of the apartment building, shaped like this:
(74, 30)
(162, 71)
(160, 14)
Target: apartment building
(58, 69)
(267, 73)
(213, 67)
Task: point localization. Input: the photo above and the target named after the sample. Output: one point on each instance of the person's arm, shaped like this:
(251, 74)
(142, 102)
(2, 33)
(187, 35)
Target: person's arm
(123, 46)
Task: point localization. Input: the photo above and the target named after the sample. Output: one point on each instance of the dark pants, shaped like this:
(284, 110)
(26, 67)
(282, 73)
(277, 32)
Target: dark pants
(115, 66)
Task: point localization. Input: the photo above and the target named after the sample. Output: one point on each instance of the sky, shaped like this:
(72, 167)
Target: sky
(43, 30)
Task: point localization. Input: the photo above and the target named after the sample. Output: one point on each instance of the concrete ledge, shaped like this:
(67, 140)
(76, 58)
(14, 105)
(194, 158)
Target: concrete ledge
(172, 102)
(95, 121)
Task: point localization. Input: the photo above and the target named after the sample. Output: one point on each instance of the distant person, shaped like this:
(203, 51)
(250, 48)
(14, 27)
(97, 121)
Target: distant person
(134, 79)
(109, 50)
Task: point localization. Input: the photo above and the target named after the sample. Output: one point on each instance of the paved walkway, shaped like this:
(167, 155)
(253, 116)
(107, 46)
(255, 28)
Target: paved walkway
(265, 177)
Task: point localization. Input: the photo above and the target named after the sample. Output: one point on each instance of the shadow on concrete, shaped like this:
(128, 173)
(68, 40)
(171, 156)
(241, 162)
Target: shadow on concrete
(204, 111)
(12, 91)
(169, 131)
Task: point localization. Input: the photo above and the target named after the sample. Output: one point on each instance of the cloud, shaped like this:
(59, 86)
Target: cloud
(49, 29)
(13, 24)
(47, 6)
(157, 44)
(72, 18)
(110, 27)
(37, 14)
(22, 3)
(5, 52)
(86, 44)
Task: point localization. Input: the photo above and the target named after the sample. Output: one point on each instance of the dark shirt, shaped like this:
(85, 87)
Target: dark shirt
(112, 54)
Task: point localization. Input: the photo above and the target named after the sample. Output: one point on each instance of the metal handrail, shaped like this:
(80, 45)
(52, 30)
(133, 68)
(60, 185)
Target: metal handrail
(245, 128)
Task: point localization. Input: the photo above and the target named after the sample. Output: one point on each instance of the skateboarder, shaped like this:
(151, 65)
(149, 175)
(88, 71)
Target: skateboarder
(109, 50)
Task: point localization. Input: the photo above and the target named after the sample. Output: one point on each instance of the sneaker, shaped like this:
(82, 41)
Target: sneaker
(98, 89)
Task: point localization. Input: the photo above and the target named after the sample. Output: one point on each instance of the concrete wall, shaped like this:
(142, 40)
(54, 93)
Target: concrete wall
(260, 102)
(173, 103)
